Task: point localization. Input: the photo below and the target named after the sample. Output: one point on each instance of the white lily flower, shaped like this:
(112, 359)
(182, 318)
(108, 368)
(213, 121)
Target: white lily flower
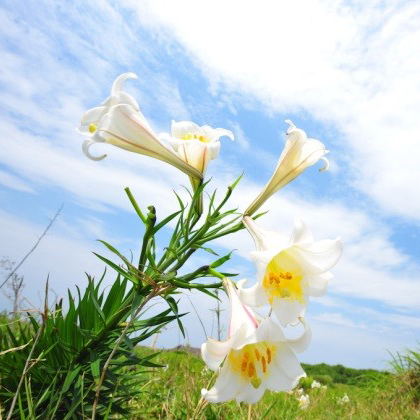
(303, 401)
(299, 153)
(289, 270)
(194, 144)
(315, 384)
(257, 356)
(119, 121)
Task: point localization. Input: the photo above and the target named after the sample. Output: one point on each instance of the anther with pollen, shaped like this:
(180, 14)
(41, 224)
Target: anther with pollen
(268, 355)
(251, 370)
(264, 365)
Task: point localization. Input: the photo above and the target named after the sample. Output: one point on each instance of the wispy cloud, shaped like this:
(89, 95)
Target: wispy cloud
(351, 65)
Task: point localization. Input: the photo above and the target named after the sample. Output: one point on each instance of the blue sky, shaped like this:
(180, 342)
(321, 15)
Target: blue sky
(346, 72)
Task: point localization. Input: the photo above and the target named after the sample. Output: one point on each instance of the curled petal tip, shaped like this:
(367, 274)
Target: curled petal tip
(230, 135)
(129, 75)
(291, 125)
(119, 81)
(86, 146)
(326, 164)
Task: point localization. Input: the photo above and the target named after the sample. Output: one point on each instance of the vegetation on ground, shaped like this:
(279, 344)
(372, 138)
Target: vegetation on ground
(174, 392)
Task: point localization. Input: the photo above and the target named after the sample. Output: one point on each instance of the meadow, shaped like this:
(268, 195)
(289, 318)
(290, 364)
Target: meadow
(173, 392)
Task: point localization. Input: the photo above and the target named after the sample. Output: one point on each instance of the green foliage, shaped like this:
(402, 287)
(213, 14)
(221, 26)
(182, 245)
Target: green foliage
(67, 353)
(78, 360)
(408, 364)
(175, 392)
(324, 379)
(341, 374)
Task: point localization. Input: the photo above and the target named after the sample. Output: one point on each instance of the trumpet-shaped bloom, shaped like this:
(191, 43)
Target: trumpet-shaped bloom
(119, 121)
(299, 153)
(194, 144)
(289, 270)
(257, 356)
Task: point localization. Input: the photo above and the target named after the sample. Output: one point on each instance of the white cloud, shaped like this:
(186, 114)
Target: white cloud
(350, 65)
(339, 319)
(11, 181)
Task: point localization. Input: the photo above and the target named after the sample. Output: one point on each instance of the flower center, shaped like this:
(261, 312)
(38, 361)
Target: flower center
(283, 279)
(191, 136)
(252, 361)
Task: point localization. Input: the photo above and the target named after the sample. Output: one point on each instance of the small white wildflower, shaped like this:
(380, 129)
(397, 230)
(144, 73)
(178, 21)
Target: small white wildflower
(303, 401)
(344, 400)
(300, 391)
(315, 384)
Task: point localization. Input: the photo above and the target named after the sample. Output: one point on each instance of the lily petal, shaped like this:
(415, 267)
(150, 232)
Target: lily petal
(318, 284)
(320, 256)
(181, 129)
(253, 296)
(288, 311)
(226, 387)
(86, 146)
(301, 234)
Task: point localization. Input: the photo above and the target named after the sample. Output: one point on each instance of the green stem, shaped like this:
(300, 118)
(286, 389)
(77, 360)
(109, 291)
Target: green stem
(215, 273)
(150, 223)
(135, 205)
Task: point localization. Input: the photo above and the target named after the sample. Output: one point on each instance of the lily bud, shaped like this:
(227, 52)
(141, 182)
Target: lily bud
(299, 153)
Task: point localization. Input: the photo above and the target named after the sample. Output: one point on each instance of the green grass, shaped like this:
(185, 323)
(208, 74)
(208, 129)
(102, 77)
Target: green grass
(174, 393)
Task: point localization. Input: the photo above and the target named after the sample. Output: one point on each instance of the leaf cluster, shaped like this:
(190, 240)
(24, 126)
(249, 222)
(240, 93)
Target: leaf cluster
(66, 353)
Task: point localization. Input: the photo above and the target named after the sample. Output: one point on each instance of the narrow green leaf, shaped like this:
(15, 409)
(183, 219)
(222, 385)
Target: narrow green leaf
(209, 250)
(70, 378)
(173, 305)
(118, 269)
(95, 302)
(165, 221)
(233, 186)
(221, 261)
(94, 363)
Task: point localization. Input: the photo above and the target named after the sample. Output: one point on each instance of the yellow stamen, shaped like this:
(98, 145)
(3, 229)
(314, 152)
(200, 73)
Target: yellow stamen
(284, 278)
(264, 366)
(190, 136)
(251, 362)
(251, 370)
(268, 355)
(92, 127)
